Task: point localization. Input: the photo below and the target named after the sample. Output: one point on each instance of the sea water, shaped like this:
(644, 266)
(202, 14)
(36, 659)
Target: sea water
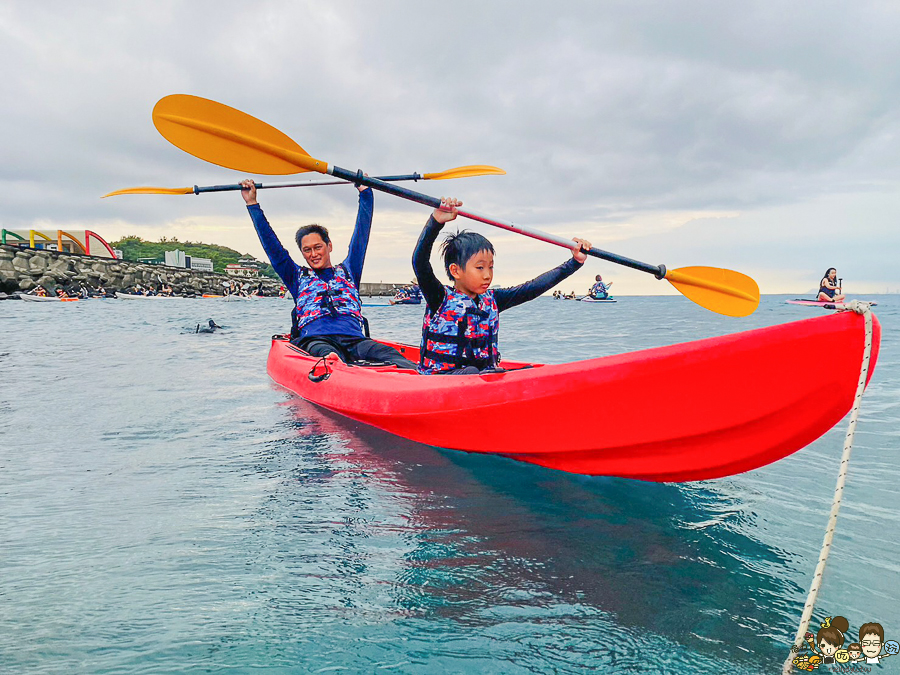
(165, 508)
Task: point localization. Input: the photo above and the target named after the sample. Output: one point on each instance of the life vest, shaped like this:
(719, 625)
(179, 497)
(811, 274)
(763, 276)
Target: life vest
(600, 290)
(317, 298)
(460, 333)
(827, 291)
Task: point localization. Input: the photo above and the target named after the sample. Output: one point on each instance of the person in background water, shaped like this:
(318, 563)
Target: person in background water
(459, 332)
(600, 291)
(327, 315)
(828, 287)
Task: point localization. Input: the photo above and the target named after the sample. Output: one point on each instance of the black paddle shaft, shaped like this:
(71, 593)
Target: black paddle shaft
(200, 189)
(357, 177)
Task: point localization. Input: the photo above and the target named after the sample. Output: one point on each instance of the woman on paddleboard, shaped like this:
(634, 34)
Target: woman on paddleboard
(828, 287)
(600, 290)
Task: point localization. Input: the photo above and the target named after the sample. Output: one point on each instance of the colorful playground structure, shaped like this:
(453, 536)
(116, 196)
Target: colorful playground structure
(77, 241)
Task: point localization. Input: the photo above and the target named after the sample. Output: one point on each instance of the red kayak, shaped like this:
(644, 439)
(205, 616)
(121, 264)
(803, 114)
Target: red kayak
(690, 411)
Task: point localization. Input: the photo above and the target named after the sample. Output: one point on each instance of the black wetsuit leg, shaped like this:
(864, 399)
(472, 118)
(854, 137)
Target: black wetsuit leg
(319, 345)
(369, 350)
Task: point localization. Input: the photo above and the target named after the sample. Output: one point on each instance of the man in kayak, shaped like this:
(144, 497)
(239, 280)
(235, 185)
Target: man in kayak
(600, 290)
(327, 315)
(459, 335)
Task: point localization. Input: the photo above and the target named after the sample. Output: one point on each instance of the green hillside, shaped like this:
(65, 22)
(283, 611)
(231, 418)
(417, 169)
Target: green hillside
(134, 249)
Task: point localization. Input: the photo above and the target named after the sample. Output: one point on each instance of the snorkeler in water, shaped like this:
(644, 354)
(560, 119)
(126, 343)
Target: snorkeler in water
(212, 327)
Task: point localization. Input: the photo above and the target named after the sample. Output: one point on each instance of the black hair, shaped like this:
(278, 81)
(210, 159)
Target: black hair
(460, 247)
(314, 228)
(827, 272)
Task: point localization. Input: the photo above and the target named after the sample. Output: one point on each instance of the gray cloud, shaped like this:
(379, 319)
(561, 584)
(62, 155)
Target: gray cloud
(606, 115)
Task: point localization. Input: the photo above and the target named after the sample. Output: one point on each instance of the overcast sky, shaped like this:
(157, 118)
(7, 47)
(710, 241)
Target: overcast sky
(761, 137)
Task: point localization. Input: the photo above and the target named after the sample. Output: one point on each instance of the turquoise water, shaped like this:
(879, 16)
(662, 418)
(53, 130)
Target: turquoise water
(166, 508)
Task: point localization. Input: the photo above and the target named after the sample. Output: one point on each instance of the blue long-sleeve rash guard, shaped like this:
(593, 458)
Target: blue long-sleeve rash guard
(286, 268)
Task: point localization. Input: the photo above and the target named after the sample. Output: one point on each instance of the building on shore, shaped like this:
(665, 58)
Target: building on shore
(239, 270)
(177, 258)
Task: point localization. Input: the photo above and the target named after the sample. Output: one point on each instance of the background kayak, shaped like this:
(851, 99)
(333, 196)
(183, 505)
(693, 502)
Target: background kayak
(135, 296)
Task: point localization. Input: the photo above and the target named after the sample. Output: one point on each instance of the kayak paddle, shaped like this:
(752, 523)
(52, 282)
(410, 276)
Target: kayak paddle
(458, 172)
(223, 135)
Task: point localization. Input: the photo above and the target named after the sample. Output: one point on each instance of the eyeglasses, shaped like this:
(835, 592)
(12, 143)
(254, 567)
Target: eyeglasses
(871, 643)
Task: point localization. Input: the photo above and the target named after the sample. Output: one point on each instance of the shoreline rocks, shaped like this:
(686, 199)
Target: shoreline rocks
(22, 269)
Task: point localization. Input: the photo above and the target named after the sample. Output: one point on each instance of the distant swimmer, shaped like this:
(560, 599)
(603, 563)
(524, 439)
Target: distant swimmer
(212, 327)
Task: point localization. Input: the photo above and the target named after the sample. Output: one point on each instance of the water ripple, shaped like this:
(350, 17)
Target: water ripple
(167, 509)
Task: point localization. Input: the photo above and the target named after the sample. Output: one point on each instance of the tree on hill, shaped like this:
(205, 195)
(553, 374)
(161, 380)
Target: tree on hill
(134, 248)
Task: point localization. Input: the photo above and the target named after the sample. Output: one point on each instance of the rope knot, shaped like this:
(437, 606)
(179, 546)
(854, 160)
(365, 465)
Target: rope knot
(857, 306)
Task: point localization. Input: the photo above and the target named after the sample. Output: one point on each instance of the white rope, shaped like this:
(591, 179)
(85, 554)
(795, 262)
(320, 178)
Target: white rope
(859, 308)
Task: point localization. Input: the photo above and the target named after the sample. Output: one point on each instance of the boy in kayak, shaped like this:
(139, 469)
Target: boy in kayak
(600, 290)
(459, 334)
(327, 315)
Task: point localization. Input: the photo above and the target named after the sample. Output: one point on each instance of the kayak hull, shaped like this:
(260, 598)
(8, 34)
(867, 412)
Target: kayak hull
(133, 296)
(48, 298)
(690, 411)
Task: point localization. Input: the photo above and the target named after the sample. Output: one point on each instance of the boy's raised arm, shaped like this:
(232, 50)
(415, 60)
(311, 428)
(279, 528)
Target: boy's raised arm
(432, 289)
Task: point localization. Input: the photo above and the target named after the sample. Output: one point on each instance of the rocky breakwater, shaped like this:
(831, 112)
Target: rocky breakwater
(22, 269)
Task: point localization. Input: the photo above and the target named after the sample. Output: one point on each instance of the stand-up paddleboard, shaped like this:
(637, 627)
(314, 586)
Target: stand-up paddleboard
(824, 305)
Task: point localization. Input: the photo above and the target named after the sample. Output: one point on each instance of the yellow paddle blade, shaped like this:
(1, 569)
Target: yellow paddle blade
(724, 291)
(222, 135)
(465, 172)
(151, 191)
